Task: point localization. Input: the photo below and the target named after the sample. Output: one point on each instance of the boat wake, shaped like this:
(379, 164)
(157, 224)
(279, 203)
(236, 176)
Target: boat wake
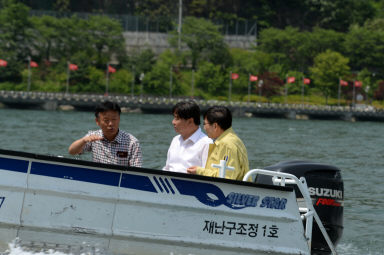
(14, 248)
(351, 249)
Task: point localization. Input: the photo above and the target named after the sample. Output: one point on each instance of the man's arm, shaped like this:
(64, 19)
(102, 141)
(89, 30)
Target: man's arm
(212, 172)
(77, 146)
(226, 152)
(136, 155)
(203, 171)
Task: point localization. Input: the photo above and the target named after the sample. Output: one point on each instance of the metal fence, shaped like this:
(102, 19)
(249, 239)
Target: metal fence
(160, 24)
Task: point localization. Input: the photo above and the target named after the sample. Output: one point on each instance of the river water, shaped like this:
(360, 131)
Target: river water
(355, 147)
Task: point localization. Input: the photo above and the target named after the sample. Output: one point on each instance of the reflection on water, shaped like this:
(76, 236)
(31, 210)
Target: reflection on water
(356, 148)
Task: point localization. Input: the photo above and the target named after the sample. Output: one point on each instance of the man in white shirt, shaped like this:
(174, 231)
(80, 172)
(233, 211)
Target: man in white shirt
(190, 147)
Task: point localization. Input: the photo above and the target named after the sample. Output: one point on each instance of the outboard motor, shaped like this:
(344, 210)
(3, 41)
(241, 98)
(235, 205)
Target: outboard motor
(326, 189)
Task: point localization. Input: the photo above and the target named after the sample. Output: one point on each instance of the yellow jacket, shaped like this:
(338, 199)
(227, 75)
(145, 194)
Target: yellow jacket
(228, 144)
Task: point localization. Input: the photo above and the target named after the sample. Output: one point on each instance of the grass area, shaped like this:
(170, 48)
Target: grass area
(298, 99)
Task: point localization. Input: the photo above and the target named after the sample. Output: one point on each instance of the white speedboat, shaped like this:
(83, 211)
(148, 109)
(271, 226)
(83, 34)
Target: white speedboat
(65, 204)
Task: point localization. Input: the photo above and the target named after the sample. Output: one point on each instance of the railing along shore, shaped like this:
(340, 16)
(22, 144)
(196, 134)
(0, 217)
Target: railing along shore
(152, 104)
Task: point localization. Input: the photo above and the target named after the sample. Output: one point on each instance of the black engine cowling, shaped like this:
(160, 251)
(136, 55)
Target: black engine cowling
(326, 189)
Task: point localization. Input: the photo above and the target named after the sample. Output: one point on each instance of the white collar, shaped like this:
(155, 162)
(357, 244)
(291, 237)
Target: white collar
(194, 137)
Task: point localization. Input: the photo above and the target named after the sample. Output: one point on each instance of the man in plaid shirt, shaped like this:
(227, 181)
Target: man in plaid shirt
(109, 144)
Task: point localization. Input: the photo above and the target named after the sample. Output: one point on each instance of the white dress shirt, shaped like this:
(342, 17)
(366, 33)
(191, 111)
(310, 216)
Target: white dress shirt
(186, 153)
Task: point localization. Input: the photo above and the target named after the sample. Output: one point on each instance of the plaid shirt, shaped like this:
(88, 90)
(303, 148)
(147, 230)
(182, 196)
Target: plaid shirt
(123, 150)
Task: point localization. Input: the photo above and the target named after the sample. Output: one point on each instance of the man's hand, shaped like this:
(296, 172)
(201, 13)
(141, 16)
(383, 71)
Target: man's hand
(192, 170)
(77, 146)
(91, 138)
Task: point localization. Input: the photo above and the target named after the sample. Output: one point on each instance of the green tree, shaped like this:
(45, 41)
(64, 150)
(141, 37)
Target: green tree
(211, 80)
(253, 62)
(375, 24)
(15, 29)
(329, 66)
(318, 41)
(365, 48)
(284, 46)
(338, 15)
(120, 82)
(201, 37)
(142, 61)
(156, 8)
(97, 81)
(158, 80)
(304, 14)
(47, 35)
(247, 62)
(62, 5)
(63, 40)
(15, 39)
(295, 87)
(72, 38)
(105, 37)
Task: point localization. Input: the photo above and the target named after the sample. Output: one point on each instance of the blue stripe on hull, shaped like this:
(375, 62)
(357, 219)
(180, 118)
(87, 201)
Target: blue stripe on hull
(130, 181)
(76, 173)
(16, 165)
(138, 182)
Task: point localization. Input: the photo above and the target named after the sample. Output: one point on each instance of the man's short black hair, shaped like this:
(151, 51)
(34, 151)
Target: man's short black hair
(186, 110)
(107, 106)
(220, 115)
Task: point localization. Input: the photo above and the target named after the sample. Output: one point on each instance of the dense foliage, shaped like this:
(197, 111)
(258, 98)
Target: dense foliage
(324, 41)
(304, 14)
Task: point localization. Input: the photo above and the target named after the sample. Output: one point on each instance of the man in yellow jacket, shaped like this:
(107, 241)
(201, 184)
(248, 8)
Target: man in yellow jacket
(227, 145)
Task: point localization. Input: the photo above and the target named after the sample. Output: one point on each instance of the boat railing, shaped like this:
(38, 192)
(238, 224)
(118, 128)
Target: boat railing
(308, 213)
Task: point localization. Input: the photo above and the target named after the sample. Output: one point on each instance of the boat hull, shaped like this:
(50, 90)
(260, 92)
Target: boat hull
(69, 205)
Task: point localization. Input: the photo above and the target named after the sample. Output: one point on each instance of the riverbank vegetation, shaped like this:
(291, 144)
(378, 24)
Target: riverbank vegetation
(332, 62)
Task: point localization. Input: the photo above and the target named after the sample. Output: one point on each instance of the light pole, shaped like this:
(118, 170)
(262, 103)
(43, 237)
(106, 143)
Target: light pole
(260, 84)
(249, 88)
(230, 87)
(133, 81)
(141, 85)
(180, 22)
(367, 88)
(29, 73)
(107, 80)
(338, 92)
(353, 94)
(170, 82)
(193, 82)
(68, 74)
(302, 90)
